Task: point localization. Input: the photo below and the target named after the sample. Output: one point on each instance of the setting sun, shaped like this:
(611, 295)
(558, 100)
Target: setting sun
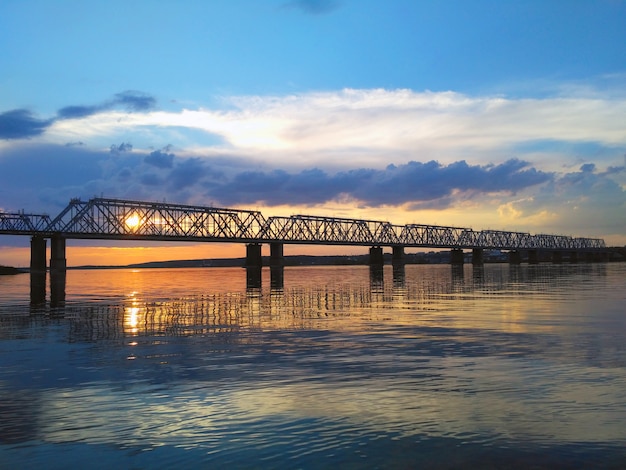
(132, 221)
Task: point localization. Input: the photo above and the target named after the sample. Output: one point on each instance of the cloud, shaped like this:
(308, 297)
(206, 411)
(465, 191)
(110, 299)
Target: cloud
(314, 7)
(21, 124)
(160, 159)
(395, 185)
(583, 201)
(187, 173)
(75, 112)
(134, 100)
(128, 100)
(123, 147)
(370, 128)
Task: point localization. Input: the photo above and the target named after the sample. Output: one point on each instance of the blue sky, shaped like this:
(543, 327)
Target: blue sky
(489, 114)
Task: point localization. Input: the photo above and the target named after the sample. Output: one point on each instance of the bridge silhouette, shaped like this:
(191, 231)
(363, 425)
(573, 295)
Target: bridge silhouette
(119, 219)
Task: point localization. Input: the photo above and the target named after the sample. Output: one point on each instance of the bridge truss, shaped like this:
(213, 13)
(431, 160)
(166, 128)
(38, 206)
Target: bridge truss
(102, 218)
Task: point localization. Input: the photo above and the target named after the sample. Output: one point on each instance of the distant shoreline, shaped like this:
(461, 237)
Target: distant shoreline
(433, 257)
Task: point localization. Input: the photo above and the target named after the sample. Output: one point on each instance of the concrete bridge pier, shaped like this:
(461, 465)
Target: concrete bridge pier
(38, 254)
(376, 256)
(254, 266)
(57, 254)
(397, 257)
(58, 266)
(557, 257)
(457, 256)
(37, 270)
(477, 257)
(533, 257)
(515, 257)
(253, 255)
(277, 257)
(573, 257)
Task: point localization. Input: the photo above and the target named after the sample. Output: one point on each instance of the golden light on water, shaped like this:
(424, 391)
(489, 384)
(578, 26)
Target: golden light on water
(131, 316)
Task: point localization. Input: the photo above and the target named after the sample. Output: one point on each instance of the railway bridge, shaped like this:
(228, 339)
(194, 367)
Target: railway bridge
(119, 219)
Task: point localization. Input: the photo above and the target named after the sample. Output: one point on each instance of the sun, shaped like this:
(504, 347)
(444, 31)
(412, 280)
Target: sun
(132, 221)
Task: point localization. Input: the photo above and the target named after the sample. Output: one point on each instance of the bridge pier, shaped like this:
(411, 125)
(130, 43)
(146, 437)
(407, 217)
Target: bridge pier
(38, 254)
(397, 257)
(557, 257)
(573, 257)
(376, 256)
(276, 254)
(533, 257)
(58, 266)
(477, 257)
(457, 256)
(253, 255)
(57, 254)
(515, 257)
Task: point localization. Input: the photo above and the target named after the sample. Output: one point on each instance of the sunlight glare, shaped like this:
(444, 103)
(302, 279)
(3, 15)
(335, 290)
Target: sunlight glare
(132, 221)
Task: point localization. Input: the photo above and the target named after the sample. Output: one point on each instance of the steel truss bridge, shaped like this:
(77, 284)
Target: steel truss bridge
(104, 218)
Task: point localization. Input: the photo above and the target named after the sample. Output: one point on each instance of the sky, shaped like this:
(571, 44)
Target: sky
(491, 114)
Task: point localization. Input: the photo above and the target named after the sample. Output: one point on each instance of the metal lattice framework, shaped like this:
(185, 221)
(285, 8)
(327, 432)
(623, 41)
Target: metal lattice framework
(101, 218)
(115, 218)
(329, 230)
(19, 223)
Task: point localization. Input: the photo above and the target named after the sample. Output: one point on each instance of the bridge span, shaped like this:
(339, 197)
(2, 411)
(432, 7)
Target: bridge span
(119, 219)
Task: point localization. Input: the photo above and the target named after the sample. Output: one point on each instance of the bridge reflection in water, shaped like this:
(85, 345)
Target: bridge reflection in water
(300, 305)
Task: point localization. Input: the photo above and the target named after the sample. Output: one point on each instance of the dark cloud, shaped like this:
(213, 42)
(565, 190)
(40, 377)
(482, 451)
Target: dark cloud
(588, 168)
(414, 182)
(134, 100)
(315, 7)
(129, 100)
(75, 112)
(160, 158)
(21, 124)
(121, 148)
(587, 202)
(150, 179)
(187, 173)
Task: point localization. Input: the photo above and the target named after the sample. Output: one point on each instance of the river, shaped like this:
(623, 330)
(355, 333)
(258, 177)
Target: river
(425, 366)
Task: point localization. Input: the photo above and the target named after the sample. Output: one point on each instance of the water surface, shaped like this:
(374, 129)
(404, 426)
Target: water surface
(421, 367)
